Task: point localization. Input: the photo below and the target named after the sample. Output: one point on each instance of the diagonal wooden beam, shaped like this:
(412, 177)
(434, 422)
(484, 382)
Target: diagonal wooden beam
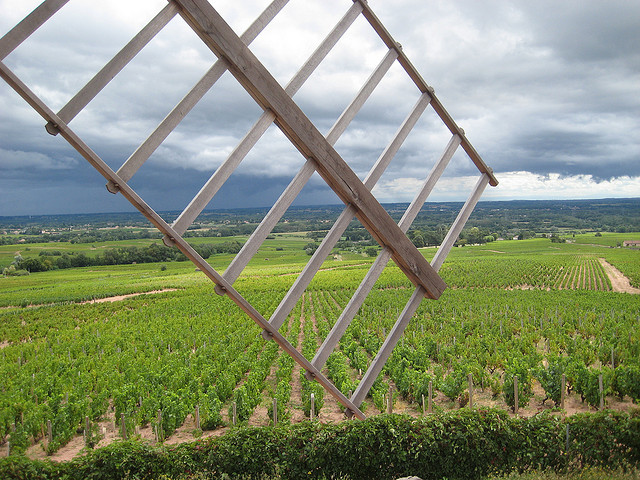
(265, 90)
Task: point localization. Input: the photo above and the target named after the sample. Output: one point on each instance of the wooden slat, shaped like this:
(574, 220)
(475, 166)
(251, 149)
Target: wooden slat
(24, 29)
(114, 66)
(333, 235)
(266, 226)
(427, 187)
(222, 174)
(387, 347)
(460, 221)
(423, 87)
(358, 102)
(348, 314)
(261, 85)
(181, 110)
(76, 142)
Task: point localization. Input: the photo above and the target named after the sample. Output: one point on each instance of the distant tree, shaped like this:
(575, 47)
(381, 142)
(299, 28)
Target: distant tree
(372, 251)
(310, 248)
(418, 240)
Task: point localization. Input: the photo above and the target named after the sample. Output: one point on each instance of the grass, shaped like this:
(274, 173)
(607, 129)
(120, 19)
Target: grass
(586, 474)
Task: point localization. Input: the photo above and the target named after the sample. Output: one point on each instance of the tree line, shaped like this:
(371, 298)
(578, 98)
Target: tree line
(114, 256)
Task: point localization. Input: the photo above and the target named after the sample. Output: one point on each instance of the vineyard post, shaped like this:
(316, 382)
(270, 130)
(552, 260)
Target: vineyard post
(123, 426)
(601, 389)
(430, 399)
(470, 380)
(613, 365)
(87, 431)
(515, 394)
(563, 390)
(275, 412)
(313, 406)
(198, 417)
(424, 406)
(390, 405)
(159, 426)
(235, 417)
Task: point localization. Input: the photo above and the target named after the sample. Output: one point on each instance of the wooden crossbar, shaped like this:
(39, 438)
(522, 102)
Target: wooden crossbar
(350, 311)
(28, 25)
(81, 99)
(317, 150)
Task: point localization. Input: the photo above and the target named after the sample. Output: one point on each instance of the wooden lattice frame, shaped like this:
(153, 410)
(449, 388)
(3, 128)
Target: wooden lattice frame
(279, 107)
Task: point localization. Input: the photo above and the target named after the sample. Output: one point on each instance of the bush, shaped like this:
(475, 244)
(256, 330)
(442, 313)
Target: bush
(464, 444)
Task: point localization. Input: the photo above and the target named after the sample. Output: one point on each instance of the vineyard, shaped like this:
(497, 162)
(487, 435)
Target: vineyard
(527, 310)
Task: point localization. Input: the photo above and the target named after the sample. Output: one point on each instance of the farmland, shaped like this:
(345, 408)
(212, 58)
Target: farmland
(529, 308)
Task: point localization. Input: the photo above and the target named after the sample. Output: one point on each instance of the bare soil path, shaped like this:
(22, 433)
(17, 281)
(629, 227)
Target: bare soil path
(619, 282)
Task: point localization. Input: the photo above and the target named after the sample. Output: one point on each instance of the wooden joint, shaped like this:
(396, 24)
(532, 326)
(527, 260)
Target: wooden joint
(112, 187)
(461, 131)
(52, 128)
(168, 241)
(220, 290)
(431, 90)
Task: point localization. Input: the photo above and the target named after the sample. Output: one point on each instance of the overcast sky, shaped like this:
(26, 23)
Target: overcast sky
(548, 93)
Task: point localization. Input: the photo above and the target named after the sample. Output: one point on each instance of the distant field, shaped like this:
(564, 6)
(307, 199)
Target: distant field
(605, 238)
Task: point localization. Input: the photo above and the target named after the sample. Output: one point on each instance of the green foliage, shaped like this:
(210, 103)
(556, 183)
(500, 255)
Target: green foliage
(626, 381)
(550, 378)
(519, 368)
(464, 445)
(210, 406)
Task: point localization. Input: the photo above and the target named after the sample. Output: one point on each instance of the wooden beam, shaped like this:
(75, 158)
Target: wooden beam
(333, 236)
(28, 25)
(268, 223)
(114, 66)
(348, 314)
(386, 37)
(261, 85)
(460, 221)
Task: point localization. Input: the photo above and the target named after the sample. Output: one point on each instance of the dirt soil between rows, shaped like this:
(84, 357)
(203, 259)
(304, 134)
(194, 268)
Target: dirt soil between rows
(619, 282)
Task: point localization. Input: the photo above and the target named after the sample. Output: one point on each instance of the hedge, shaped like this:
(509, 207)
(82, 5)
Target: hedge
(464, 444)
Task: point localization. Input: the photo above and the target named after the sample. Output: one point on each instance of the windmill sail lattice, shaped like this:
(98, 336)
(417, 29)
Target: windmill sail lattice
(317, 149)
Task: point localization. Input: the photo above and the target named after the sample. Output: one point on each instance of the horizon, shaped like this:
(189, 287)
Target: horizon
(326, 205)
